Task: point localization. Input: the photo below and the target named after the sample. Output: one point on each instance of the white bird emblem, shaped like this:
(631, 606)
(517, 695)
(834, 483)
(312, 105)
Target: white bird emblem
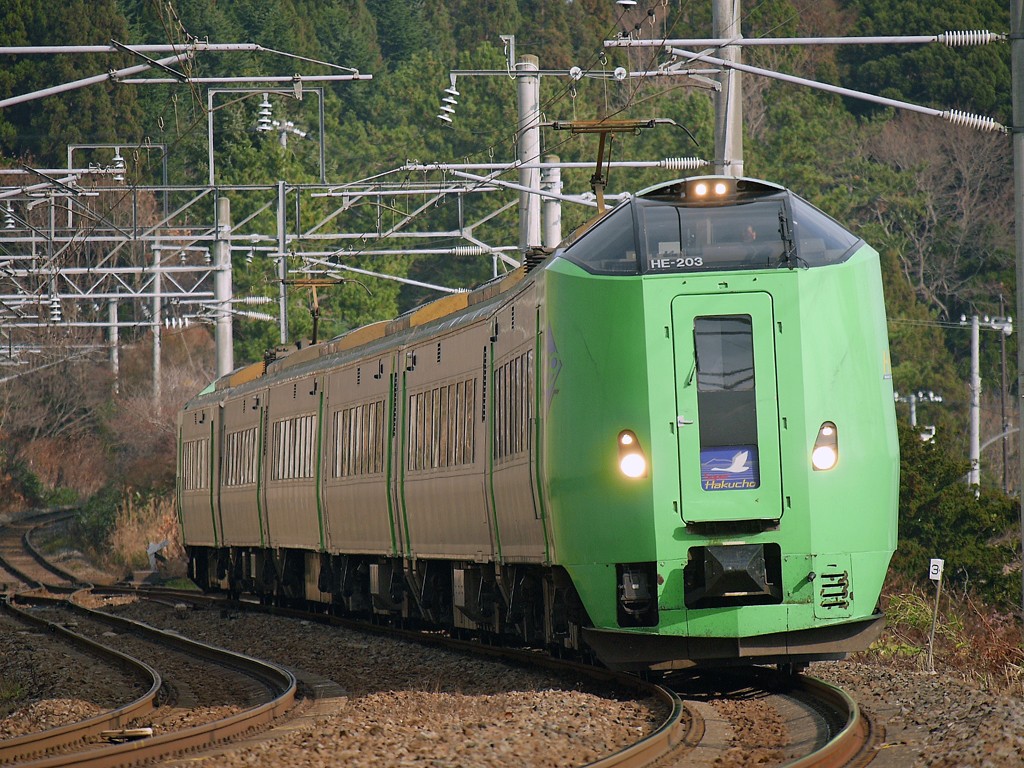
(739, 462)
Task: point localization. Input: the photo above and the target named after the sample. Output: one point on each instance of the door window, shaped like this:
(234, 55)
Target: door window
(726, 402)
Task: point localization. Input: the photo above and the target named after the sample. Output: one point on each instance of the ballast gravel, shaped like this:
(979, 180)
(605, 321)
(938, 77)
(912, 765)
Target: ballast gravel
(402, 704)
(930, 719)
(44, 683)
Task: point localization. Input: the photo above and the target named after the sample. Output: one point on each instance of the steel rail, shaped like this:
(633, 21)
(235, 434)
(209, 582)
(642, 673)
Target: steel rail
(33, 745)
(852, 741)
(280, 681)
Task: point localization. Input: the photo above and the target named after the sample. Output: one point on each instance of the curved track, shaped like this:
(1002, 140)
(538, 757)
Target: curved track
(842, 737)
(20, 559)
(278, 681)
(828, 728)
(24, 562)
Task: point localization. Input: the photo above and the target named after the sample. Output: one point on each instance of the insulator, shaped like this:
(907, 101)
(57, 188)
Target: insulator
(973, 37)
(683, 163)
(257, 300)
(256, 315)
(956, 117)
(468, 250)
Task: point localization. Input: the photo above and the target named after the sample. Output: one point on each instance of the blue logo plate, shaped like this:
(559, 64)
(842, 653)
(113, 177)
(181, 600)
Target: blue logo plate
(731, 468)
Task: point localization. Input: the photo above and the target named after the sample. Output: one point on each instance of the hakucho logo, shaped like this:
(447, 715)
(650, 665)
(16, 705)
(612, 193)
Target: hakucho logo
(730, 468)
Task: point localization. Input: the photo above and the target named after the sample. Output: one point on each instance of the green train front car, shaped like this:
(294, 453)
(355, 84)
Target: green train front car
(719, 438)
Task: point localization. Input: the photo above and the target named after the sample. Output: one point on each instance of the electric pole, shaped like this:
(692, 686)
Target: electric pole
(725, 22)
(1017, 83)
(529, 151)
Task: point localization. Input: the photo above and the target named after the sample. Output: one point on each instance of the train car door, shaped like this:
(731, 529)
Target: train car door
(359, 515)
(241, 506)
(293, 464)
(197, 476)
(727, 415)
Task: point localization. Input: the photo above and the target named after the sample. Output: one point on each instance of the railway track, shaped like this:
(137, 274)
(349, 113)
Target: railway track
(22, 561)
(826, 726)
(277, 684)
(834, 732)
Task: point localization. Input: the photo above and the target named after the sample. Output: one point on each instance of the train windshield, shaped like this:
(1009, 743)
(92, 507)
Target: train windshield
(767, 232)
(609, 248)
(820, 239)
(745, 235)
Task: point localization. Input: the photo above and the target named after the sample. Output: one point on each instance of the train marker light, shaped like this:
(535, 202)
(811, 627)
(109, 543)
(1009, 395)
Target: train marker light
(825, 454)
(632, 461)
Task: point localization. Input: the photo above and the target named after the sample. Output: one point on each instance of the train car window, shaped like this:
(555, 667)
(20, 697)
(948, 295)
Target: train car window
(609, 248)
(441, 424)
(513, 402)
(726, 397)
(471, 422)
(240, 457)
(293, 449)
(194, 457)
(820, 239)
(359, 440)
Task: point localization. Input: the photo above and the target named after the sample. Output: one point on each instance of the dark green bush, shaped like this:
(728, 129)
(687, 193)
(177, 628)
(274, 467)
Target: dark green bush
(940, 516)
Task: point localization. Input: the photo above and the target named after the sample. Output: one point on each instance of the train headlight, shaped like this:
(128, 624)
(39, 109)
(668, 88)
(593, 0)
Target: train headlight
(633, 465)
(720, 188)
(632, 461)
(825, 454)
(701, 189)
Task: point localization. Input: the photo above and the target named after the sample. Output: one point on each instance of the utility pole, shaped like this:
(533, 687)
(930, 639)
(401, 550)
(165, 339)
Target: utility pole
(222, 289)
(1002, 400)
(115, 365)
(1005, 326)
(282, 264)
(1017, 83)
(975, 473)
(529, 151)
(157, 319)
(551, 208)
(725, 23)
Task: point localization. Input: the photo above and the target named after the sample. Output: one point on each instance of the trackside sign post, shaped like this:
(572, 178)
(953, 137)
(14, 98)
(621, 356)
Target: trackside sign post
(935, 574)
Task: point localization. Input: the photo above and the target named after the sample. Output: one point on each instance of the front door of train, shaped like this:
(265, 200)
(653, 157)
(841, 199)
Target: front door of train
(727, 414)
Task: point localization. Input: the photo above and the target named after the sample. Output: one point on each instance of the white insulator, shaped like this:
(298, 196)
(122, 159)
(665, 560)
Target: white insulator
(257, 300)
(468, 250)
(972, 37)
(956, 117)
(683, 163)
(256, 315)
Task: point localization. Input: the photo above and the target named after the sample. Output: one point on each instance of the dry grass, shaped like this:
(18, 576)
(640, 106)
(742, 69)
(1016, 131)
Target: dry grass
(972, 639)
(139, 523)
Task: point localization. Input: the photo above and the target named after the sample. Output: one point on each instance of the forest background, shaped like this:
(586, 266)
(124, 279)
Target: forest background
(935, 200)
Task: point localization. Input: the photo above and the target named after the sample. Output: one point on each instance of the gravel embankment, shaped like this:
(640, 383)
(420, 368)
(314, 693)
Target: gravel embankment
(404, 703)
(401, 704)
(932, 719)
(397, 703)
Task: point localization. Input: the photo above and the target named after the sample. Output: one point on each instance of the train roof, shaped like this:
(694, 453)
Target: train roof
(447, 312)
